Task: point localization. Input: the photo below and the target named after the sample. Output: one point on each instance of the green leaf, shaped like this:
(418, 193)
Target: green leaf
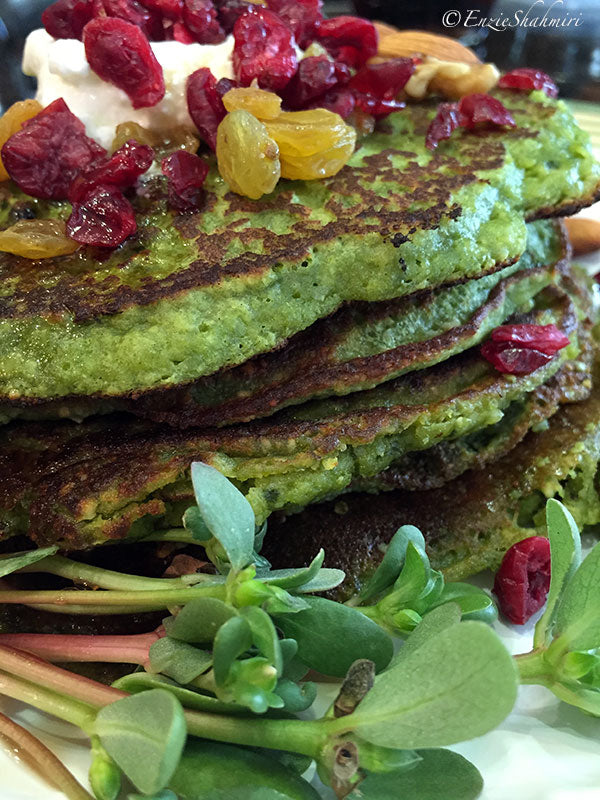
(264, 636)
(226, 513)
(232, 639)
(454, 686)
(193, 522)
(431, 626)
(578, 608)
(179, 660)
(296, 697)
(332, 636)
(15, 561)
(235, 772)
(393, 560)
(440, 775)
(565, 551)
(325, 580)
(415, 576)
(144, 734)
(292, 578)
(199, 620)
(473, 601)
(143, 682)
(166, 794)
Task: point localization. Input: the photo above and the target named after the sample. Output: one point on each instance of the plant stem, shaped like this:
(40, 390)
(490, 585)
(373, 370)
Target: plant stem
(179, 535)
(46, 763)
(75, 601)
(47, 675)
(79, 714)
(64, 647)
(99, 577)
(533, 668)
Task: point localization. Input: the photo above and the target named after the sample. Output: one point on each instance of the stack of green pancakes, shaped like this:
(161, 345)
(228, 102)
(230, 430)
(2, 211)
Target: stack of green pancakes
(321, 348)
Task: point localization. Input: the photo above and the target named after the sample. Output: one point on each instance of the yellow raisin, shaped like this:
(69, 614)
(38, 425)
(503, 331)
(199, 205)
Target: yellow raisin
(179, 138)
(312, 144)
(12, 121)
(37, 238)
(248, 158)
(261, 104)
(364, 124)
(131, 130)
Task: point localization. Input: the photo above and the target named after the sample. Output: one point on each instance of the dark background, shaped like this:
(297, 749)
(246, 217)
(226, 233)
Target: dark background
(571, 56)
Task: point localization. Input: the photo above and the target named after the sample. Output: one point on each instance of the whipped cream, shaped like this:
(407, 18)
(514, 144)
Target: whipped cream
(62, 70)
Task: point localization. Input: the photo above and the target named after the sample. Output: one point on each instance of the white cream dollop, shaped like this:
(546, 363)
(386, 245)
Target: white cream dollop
(62, 70)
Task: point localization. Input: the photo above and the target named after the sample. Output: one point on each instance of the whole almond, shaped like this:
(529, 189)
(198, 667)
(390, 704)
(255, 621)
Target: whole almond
(584, 235)
(394, 44)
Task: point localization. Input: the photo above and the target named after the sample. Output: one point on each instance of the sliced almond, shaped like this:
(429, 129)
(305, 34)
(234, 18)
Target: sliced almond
(394, 44)
(584, 235)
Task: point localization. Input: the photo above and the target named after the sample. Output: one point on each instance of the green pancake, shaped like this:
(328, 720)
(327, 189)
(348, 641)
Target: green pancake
(192, 294)
(115, 477)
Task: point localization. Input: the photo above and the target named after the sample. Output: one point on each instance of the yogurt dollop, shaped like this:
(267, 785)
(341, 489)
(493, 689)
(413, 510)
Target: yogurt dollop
(62, 70)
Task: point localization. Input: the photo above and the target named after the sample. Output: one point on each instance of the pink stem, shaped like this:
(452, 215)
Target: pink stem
(67, 647)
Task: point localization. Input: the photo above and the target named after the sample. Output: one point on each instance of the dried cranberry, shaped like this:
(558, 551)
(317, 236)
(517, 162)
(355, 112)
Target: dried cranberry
(315, 76)
(474, 109)
(523, 580)
(512, 359)
(121, 170)
(385, 80)
(200, 16)
(148, 20)
(103, 218)
(205, 104)
(171, 9)
(66, 19)
(546, 338)
(228, 12)
(301, 17)
(119, 53)
(526, 79)
(340, 101)
(181, 33)
(375, 106)
(343, 73)
(348, 39)
(186, 174)
(225, 85)
(49, 151)
(264, 49)
(441, 126)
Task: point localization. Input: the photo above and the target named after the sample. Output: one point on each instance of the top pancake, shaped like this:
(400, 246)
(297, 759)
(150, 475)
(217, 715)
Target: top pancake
(192, 294)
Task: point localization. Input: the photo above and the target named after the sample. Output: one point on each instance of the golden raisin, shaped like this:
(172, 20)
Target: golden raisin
(131, 130)
(37, 238)
(261, 104)
(179, 138)
(364, 124)
(12, 121)
(312, 144)
(248, 158)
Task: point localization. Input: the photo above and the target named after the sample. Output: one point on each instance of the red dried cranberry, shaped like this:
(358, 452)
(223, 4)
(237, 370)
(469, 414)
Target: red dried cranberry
(205, 104)
(181, 33)
(186, 174)
(149, 21)
(526, 79)
(119, 53)
(441, 126)
(474, 109)
(546, 338)
(513, 360)
(66, 19)
(348, 39)
(375, 106)
(200, 16)
(340, 101)
(228, 12)
(170, 9)
(103, 218)
(49, 151)
(225, 85)
(121, 170)
(523, 580)
(385, 80)
(343, 73)
(301, 17)
(264, 49)
(315, 76)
